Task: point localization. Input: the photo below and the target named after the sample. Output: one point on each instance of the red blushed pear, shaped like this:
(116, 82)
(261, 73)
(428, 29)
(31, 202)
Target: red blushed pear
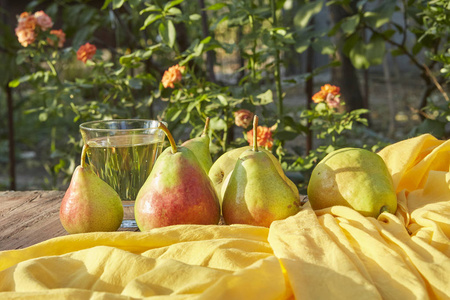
(256, 192)
(89, 203)
(177, 191)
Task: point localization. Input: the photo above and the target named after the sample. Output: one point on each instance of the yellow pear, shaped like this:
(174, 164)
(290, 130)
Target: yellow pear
(256, 193)
(353, 177)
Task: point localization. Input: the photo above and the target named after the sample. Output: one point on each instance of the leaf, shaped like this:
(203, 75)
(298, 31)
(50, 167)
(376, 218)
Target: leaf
(223, 100)
(266, 97)
(217, 124)
(174, 11)
(150, 19)
(16, 82)
(324, 46)
(306, 12)
(216, 6)
(171, 4)
(43, 116)
(380, 15)
(172, 34)
(151, 8)
(105, 5)
(349, 24)
(118, 3)
(365, 55)
(195, 17)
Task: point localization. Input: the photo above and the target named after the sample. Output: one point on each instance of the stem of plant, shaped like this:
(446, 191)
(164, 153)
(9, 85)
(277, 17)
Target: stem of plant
(255, 133)
(225, 133)
(277, 66)
(205, 129)
(169, 136)
(83, 155)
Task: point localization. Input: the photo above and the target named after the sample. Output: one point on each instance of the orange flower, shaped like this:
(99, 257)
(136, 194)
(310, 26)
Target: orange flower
(86, 52)
(243, 118)
(319, 97)
(330, 89)
(43, 20)
(264, 138)
(25, 29)
(328, 93)
(60, 35)
(172, 75)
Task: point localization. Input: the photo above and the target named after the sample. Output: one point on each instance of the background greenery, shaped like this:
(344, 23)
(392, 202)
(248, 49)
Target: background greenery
(266, 56)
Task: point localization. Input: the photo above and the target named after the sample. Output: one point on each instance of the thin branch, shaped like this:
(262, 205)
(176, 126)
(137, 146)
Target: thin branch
(436, 83)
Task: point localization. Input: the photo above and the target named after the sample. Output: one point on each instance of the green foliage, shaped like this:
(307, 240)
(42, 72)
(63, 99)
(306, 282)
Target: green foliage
(139, 40)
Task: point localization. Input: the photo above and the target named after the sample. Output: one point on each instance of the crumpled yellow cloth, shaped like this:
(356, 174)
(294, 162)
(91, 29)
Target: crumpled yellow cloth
(334, 253)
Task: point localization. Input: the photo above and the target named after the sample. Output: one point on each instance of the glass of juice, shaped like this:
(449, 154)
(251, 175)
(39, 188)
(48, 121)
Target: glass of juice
(122, 153)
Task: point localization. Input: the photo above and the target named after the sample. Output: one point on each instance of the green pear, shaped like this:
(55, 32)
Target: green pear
(200, 147)
(177, 191)
(89, 203)
(222, 168)
(256, 192)
(353, 177)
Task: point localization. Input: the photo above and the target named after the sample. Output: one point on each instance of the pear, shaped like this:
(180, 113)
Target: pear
(355, 178)
(200, 147)
(177, 191)
(89, 203)
(256, 193)
(222, 168)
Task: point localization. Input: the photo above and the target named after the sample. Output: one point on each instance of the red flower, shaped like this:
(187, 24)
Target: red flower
(264, 138)
(25, 29)
(243, 118)
(60, 35)
(43, 20)
(86, 52)
(173, 75)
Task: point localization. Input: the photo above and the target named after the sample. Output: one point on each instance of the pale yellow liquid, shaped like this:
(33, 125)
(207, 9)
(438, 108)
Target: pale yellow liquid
(124, 162)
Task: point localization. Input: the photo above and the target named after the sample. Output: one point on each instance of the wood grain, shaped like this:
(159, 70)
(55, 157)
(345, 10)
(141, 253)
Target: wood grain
(30, 217)
(27, 218)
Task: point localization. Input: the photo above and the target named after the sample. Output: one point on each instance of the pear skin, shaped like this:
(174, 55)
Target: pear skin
(256, 192)
(177, 191)
(355, 178)
(90, 204)
(224, 165)
(200, 147)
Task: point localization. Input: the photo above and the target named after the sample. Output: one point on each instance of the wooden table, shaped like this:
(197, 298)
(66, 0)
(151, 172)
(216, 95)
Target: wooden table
(30, 217)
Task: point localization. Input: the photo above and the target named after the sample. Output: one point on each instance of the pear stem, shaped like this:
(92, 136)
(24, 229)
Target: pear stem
(255, 133)
(83, 155)
(169, 136)
(205, 130)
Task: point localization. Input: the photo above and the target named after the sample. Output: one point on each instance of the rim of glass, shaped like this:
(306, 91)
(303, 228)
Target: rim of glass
(85, 124)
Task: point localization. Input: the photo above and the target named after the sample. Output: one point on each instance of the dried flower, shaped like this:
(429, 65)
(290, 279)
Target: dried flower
(86, 52)
(328, 93)
(25, 29)
(43, 20)
(264, 138)
(333, 101)
(60, 35)
(243, 118)
(173, 75)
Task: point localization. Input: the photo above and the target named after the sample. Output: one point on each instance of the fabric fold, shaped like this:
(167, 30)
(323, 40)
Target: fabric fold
(330, 253)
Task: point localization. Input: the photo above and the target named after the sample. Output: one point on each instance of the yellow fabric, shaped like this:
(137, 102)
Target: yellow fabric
(334, 253)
